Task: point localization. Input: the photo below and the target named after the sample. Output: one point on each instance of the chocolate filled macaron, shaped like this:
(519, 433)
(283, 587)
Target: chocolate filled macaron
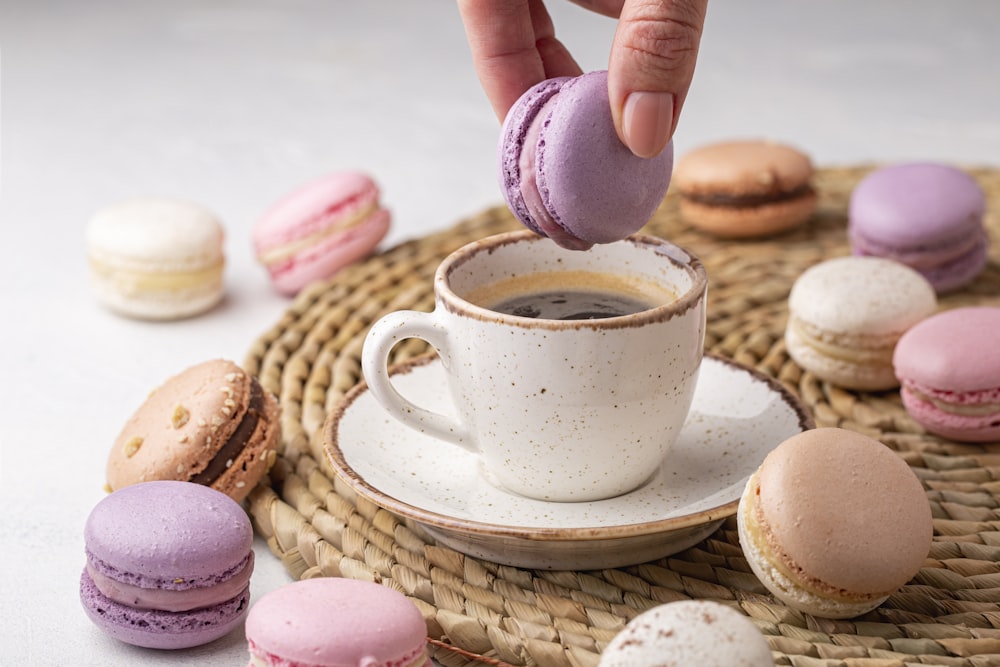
(212, 424)
(834, 522)
(745, 189)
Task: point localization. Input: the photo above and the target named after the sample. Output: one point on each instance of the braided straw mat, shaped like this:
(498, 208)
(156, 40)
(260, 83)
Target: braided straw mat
(480, 612)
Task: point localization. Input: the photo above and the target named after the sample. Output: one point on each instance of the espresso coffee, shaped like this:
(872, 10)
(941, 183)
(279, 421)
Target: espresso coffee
(570, 304)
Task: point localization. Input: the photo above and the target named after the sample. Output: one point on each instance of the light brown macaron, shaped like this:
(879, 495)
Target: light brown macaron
(212, 424)
(834, 522)
(745, 189)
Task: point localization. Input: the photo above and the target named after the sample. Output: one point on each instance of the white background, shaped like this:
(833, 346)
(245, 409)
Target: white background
(231, 104)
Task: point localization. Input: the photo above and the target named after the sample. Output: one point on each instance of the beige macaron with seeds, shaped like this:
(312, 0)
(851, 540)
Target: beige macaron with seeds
(212, 424)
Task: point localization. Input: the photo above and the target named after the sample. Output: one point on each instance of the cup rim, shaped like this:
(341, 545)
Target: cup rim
(684, 302)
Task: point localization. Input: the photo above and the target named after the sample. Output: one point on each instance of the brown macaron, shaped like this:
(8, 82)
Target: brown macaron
(212, 424)
(745, 189)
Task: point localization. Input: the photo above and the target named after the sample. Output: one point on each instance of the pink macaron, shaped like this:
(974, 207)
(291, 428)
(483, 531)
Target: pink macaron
(564, 172)
(949, 369)
(330, 622)
(320, 228)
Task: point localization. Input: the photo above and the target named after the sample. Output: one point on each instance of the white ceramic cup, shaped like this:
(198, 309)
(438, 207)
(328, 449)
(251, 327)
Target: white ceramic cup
(561, 410)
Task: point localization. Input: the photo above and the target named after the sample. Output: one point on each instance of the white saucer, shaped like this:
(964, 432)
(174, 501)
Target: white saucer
(737, 417)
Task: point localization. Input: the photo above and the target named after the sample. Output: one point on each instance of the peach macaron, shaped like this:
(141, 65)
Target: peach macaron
(319, 228)
(746, 188)
(834, 522)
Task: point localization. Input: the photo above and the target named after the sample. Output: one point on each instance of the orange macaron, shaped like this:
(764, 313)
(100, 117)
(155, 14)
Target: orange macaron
(745, 189)
(212, 424)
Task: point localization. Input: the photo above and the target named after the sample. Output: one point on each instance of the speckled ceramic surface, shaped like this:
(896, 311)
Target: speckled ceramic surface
(539, 399)
(737, 417)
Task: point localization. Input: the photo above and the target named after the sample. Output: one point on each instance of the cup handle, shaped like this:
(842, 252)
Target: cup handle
(383, 335)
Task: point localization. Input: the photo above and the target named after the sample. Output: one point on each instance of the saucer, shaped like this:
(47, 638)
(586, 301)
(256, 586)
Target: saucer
(737, 416)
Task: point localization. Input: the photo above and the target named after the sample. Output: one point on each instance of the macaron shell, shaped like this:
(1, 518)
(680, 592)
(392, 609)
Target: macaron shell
(858, 373)
(591, 183)
(689, 632)
(186, 424)
(861, 524)
(329, 621)
(189, 535)
(918, 205)
(750, 221)
(162, 629)
(739, 168)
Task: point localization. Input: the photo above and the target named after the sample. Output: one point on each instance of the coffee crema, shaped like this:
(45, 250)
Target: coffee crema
(572, 305)
(571, 295)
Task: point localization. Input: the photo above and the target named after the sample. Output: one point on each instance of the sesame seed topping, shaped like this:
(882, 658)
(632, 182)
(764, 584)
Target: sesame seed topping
(240, 484)
(180, 416)
(132, 446)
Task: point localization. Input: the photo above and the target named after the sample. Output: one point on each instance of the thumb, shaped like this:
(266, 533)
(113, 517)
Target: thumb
(652, 62)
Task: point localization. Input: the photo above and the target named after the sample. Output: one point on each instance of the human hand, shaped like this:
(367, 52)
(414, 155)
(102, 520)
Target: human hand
(652, 59)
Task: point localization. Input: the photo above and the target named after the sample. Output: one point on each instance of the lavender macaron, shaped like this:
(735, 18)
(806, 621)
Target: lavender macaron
(168, 564)
(928, 216)
(564, 172)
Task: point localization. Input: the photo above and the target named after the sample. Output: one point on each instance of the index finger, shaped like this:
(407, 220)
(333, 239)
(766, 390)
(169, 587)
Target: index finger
(513, 47)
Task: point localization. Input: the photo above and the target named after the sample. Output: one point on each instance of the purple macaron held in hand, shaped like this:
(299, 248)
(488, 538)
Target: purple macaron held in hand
(565, 173)
(168, 564)
(928, 216)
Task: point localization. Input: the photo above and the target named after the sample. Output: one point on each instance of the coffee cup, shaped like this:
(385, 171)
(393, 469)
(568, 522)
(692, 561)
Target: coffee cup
(572, 372)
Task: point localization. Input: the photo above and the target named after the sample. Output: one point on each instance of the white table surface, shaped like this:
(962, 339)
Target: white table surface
(233, 103)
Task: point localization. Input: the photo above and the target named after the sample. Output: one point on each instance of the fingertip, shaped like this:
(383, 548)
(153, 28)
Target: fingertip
(647, 122)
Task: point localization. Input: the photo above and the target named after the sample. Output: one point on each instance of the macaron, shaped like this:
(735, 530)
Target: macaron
(834, 522)
(689, 632)
(328, 622)
(925, 215)
(564, 172)
(156, 258)
(212, 424)
(846, 315)
(319, 228)
(745, 189)
(168, 565)
(949, 368)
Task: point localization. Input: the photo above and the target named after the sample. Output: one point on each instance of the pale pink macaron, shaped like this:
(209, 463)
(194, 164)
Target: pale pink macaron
(319, 228)
(331, 622)
(949, 368)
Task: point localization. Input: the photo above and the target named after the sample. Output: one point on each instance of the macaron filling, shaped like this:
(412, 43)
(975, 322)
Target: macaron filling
(158, 595)
(228, 453)
(261, 658)
(750, 199)
(877, 351)
(337, 218)
(529, 191)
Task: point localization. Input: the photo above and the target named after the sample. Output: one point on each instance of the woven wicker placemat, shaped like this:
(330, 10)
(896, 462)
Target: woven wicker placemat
(477, 611)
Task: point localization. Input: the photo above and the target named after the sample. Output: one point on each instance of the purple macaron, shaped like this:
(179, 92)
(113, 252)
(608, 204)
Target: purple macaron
(928, 216)
(564, 172)
(168, 564)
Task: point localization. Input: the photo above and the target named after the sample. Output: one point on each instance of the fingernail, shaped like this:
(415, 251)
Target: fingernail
(647, 120)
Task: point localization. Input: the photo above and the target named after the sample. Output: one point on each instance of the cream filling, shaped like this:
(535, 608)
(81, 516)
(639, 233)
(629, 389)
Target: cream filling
(135, 281)
(260, 658)
(290, 249)
(960, 409)
(169, 600)
(852, 355)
